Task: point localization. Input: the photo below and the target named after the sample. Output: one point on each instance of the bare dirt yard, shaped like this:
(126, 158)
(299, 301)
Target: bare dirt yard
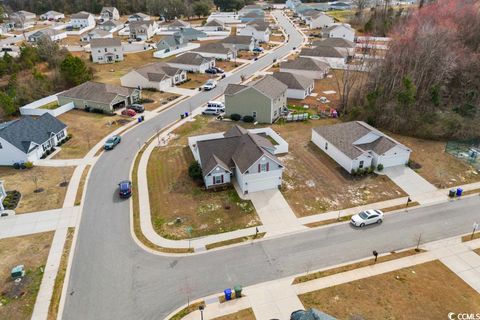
(196, 80)
(202, 212)
(18, 299)
(48, 179)
(157, 99)
(435, 165)
(314, 183)
(425, 291)
(87, 129)
(228, 65)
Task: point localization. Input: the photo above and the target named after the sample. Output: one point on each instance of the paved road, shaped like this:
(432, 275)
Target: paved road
(112, 278)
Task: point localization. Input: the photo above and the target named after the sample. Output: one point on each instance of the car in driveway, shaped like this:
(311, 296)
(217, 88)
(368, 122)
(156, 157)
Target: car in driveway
(138, 108)
(219, 70)
(210, 85)
(112, 142)
(257, 49)
(212, 111)
(367, 217)
(129, 113)
(211, 70)
(125, 189)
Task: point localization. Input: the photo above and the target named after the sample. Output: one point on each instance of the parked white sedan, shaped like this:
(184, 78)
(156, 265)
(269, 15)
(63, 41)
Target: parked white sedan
(367, 217)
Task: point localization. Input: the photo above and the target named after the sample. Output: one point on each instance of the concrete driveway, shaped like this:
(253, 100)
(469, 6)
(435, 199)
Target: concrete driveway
(408, 180)
(276, 215)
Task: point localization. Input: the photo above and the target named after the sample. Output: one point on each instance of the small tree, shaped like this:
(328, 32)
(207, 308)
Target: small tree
(235, 117)
(201, 8)
(248, 119)
(74, 70)
(195, 171)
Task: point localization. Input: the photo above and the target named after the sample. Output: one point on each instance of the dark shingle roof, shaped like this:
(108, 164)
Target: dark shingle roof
(270, 86)
(80, 15)
(105, 42)
(305, 64)
(157, 71)
(20, 133)
(233, 88)
(294, 81)
(214, 23)
(334, 42)
(96, 91)
(327, 52)
(245, 40)
(213, 47)
(191, 58)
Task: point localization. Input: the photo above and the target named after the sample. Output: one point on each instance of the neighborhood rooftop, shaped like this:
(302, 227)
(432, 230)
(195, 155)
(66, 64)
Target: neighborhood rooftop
(293, 81)
(157, 71)
(268, 86)
(334, 42)
(213, 47)
(238, 40)
(329, 52)
(305, 64)
(105, 42)
(96, 91)
(190, 58)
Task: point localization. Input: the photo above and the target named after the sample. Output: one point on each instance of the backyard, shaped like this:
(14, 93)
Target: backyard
(18, 299)
(87, 129)
(202, 212)
(314, 183)
(425, 291)
(47, 179)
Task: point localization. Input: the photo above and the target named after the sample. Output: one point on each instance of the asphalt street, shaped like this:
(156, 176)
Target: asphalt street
(113, 278)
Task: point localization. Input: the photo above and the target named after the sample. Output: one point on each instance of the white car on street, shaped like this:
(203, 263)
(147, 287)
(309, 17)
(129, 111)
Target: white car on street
(210, 85)
(367, 217)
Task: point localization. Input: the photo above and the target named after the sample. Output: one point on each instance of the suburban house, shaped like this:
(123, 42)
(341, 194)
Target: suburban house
(334, 57)
(109, 13)
(253, 15)
(291, 4)
(264, 99)
(237, 43)
(339, 30)
(107, 50)
(27, 139)
(82, 20)
(52, 16)
(342, 45)
(142, 30)
(319, 20)
(192, 62)
(111, 25)
(215, 50)
(52, 34)
(177, 24)
(214, 25)
(299, 86)
(156, 75)
(356, 145)
(95, 34)
(99, 96)
(251, 8)
(170, 43)
(307, 67)
(191, 34)
(225, 17)
(260, 30)
(21, 20)
(305, 15)
(247, 156)
(139, 17)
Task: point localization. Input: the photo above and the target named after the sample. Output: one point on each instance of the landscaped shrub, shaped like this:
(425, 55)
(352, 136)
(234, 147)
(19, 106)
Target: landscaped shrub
(195, 171)
(11, 200)
(29, 165)
(380, 167)
(248, 119)
(235, 117)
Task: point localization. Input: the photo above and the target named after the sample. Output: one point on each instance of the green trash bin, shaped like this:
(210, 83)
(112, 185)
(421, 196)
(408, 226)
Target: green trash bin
(238, 291)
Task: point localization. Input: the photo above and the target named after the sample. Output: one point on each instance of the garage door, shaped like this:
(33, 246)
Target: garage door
(396, 160)
(262, 184)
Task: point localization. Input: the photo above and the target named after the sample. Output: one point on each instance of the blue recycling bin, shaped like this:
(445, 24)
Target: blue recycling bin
(139, 119)
(228, 294)
(459, 192)
(186, 114)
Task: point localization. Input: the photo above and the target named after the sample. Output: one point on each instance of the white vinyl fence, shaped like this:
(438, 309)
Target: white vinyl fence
(34, 108)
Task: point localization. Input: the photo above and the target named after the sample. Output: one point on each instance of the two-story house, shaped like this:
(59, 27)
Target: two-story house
(258, 29)
(82, 20)
(109, 13)
(142, 30)
(156, 75)
(107, 50)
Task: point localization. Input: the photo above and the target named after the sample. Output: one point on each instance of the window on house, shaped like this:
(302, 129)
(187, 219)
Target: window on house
(1, 147)
(360, 166)
(60, 135)
(105, 49)
(263, 167)
(218, 179)
(254, 114)
(326, 145)
(116, 56)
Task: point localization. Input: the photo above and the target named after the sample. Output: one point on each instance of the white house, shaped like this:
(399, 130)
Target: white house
(177, 25)
(340, 30)
(334, 57)
(356, 145)
(142, 30)
(299, 86)
(156, 75)
(52, 34)
(213, 25)
(107, 50)
(139, 17)
(215, 50)
(95, 34)
(245, 155)
(82, 20)
(291, 4)
(52, 16)
(21, 20)
(260, 30)
(28, 139)
(192, 62)
(111, 26)
(109, 13)
(225, 17)
(237, 43)
(320, 20)
(307, 67)
(340, 44)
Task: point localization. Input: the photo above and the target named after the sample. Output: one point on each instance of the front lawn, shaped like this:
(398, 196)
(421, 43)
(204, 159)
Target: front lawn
(227, 65)
(157, 99)
(173, 194)
(425, 291)
(196, 80)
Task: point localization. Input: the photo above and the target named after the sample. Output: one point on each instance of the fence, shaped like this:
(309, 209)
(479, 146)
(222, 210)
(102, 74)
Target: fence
(296, 117)
(468, 151)
(161, 54)
(34, 108)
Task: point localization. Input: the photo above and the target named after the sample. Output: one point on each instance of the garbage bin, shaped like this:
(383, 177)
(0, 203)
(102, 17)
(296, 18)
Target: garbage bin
(186, 114)
(451, 193)
(228, 294)
(139, 119)
(238, 291)
(182, 116)
(459, 192)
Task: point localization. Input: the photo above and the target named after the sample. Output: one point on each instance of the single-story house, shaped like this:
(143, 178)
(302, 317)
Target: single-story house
(21, 20)
(356, 145)
(238, 153)
(28, 139)
(52, 34)
(192, 62)
(342, 45)
(191, 34)
(307, 67)
(334, 57)
(258, 29)
(320, 20)
(215, 50)
(101, 96)
(142, 30)
(111, 25)
(139, 17)
(214, 25)
(299, 86)
(107, 50)
(109, 13)
(176, 25)
(52, 16)
(225, 17)
(237, 43)
(95, 34)
(253, 15)
(156, 75)
(82, 20)
(340, 30)
(170, 43)
(251, 8)
(264, 99)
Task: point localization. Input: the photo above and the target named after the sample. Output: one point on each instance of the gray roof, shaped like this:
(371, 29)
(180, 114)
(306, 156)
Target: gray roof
(337, 25)
(259, 25)
(140, 14)
(96, 92)
(111, 23)
(310, 13)
(245, 40)
(20, 133)
(253, 14)
(214, 23)
(294, 81)
(191, 33)
(45, 32)
(305, 64)
(157, 71)
(334, 42)
(140, 24)
(233, 88)
(191, 58)
(213, 47)
(109, 9)
(344, 135)
(327, 52)
(52, 12)
(105, 42)
(238, 148)
(80, 15)
(268, 86)
(311, 314)
(178, 23)
(171, 41)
